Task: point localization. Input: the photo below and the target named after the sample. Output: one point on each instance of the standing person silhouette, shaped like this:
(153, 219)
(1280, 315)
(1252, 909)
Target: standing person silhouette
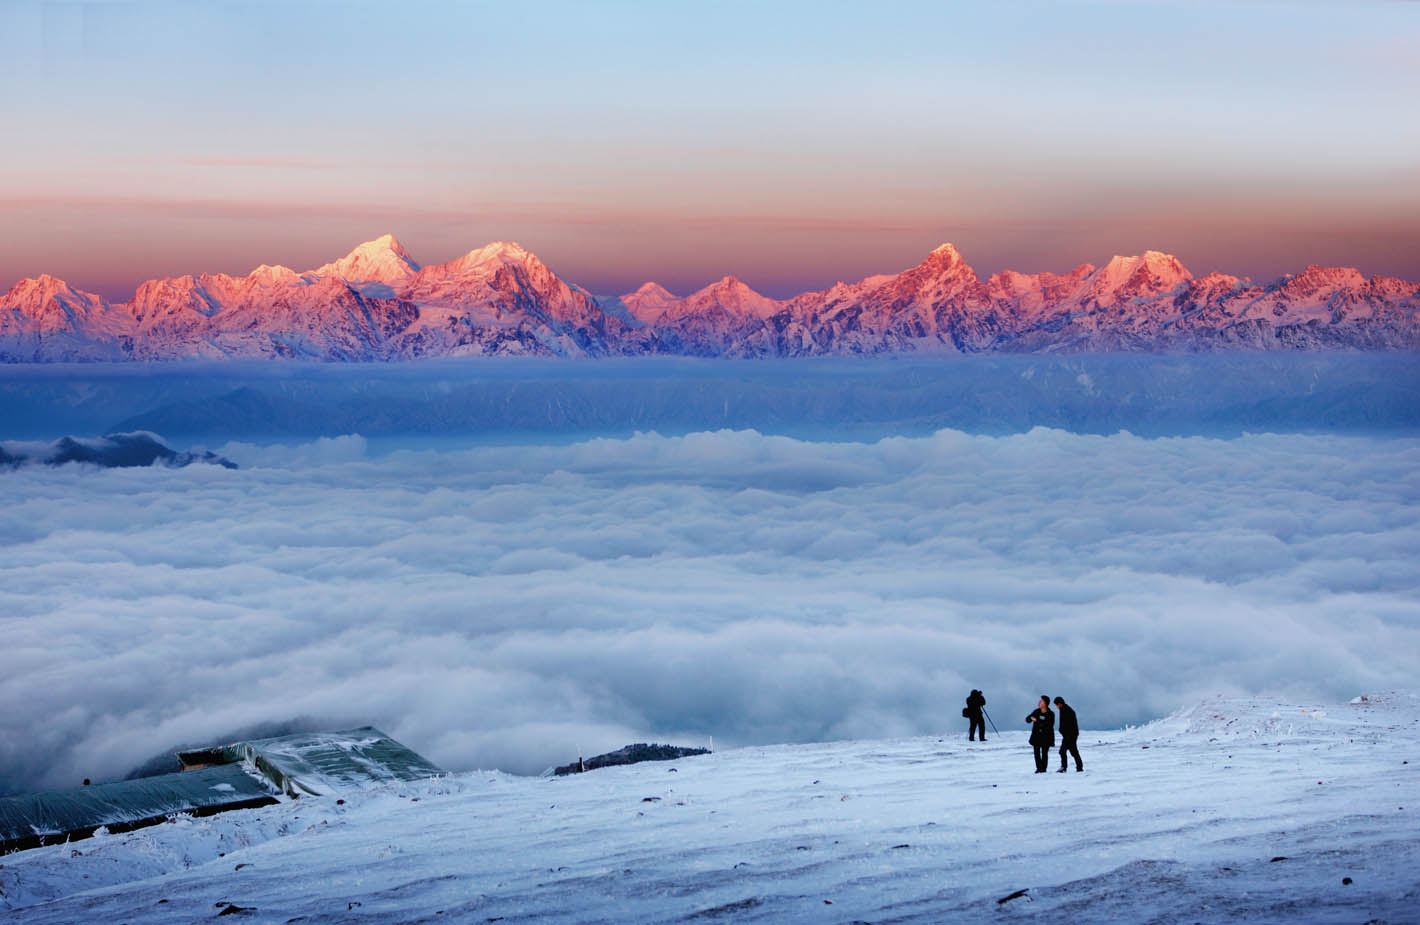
(1042, 733)
(974, 705)
(1069, 735)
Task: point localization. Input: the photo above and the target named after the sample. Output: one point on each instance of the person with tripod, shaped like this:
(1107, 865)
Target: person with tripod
(975, 707)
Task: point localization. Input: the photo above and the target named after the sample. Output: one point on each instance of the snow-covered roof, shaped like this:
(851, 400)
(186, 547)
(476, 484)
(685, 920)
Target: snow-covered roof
(61, 815)
(319, 763)
(238, 775)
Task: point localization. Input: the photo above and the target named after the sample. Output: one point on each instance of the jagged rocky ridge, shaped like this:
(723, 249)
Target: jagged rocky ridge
(630, 754)
(378, 303)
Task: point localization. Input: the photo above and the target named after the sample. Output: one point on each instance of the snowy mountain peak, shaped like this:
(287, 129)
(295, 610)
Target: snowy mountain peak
(1166, 264)
(28, 285)
(269, 275)
(1010, 284)
(45, 306)
(725, 288)
(1215, 283)
(651, 290)
(944, 266)
(1317, 277)
(942, 278)
(1128, 278)
(382, 260)
(736, 296)
(42, 283)
(1160, 264)
(389, 242)
(505, 252)
(649, 302)
(945, 258)
(729, 295)
(35, 290)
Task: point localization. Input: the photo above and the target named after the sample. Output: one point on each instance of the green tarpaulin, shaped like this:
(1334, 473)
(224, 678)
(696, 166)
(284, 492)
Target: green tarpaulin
(235, 776)
(57, 815)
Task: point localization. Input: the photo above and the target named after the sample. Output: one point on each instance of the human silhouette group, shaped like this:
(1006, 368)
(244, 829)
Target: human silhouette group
(1042, 730)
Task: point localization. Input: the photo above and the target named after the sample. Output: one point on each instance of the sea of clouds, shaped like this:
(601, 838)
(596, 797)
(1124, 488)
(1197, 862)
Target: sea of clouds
(510, 606)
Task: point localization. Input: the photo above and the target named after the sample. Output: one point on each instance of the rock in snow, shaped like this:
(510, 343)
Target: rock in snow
(631, 754)
(927, 829)
(378, 303)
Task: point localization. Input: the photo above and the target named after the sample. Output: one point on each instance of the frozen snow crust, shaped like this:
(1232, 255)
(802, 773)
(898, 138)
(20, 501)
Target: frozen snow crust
(1253, 810)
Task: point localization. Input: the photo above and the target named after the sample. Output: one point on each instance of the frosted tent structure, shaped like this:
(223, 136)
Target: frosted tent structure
(240, 775)
(68, 815)
(320, 763)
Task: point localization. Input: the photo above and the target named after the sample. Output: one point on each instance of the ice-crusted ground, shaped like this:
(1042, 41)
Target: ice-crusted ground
(1234, 810)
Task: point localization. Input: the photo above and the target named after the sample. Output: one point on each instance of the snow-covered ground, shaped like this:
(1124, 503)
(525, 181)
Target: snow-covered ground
(1252, 810)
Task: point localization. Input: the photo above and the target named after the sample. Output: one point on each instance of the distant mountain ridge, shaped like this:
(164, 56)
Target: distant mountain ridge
(114, 451)
(378, 303)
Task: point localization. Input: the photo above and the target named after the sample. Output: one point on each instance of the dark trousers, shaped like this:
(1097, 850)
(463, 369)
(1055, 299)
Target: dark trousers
(976, 723)
(1042, 756)
(1068, 745)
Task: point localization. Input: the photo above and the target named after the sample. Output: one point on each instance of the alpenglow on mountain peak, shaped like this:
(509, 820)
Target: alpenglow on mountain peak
(378, 303)
(382, 260)
(654, 290)
(1156, 262)
(497, 252)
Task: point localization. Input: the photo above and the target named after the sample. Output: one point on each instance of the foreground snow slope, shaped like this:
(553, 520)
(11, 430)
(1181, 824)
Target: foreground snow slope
(1249, 810)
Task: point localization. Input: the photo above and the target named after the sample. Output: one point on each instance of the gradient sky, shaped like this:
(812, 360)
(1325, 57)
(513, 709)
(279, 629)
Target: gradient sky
(792, 144)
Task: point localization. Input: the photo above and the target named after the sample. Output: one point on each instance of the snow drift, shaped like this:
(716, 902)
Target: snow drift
(1256, 810)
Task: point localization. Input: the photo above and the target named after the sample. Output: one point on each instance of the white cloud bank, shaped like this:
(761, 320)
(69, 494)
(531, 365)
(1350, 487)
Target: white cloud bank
(500, 607)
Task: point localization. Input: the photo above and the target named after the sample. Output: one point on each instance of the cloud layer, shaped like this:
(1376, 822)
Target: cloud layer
(505, 607)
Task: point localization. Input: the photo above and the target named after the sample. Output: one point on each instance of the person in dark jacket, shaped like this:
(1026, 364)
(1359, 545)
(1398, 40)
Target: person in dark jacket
(1042, 733)
(1069, 735)
(974, 705)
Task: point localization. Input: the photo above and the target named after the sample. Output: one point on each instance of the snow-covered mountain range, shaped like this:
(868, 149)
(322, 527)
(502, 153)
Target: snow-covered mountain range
(378, 303)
